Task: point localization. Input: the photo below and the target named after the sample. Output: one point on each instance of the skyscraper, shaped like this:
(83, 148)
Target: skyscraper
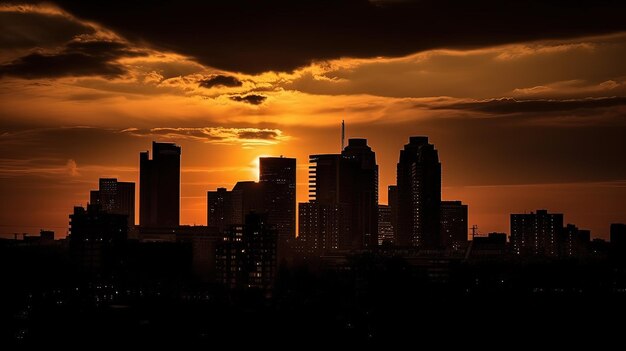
(322, 221)
(220, 209)
(159, 187)
(419, 195)
(392, 199)
(536, 233)
(453, 223)
(278, 177)
(358, 189)
(324, 178)
(343, 209)
(115, 197)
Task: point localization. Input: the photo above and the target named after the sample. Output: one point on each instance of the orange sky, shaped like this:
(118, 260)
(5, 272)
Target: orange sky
(518, 126)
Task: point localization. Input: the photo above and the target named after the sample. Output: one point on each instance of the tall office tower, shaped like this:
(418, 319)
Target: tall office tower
(322, 220)
(392, 199)
(385, 228)
(278, 178)
(246, 258)
(453, 223)
(536, 233)
(419, 195)
(159, 187)
(358, 189)
(220, 209)
(343, 209)
(324, 178)
(115, 197)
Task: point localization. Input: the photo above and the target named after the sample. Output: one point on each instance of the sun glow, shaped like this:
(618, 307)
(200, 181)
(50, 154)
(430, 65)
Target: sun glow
(255, 166)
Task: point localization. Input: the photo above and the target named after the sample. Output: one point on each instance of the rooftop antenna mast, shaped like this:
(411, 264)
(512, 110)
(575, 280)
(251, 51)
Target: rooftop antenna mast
(343, 134)
(474, 229)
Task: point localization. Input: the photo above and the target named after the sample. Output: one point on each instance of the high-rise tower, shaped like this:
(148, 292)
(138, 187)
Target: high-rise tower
(159, 186)
(419, 195)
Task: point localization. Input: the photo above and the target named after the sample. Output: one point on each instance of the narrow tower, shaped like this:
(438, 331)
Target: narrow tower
(343, 134)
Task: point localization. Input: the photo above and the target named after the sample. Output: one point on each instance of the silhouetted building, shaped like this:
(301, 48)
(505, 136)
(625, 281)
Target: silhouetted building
(323, 220)
(248, 196)
(392, 198)
(599, 248)
(159, 187)
(220, 209)
(618, 240)
(324, 178)
(47, 235)
(385, 228)
(345, 189)
(575, 242)
(618, 235)
(419, 195)
(320, 226)
(203, 240)
(492, 245)
(246, 258)
(358, 189)
(115, 197)
(536, 233)
(97, 238)
(453, 224)
(278, 176)
(227, 208)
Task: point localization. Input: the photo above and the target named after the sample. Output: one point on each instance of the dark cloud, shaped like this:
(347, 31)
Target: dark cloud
(281, 35)
(509, 106)
(218, 135)
(259, 134)
(200, 134)
(250, 99)
(221, 80)
(22, 29)
(77, 58)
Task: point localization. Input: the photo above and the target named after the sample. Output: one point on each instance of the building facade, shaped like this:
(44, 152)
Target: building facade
(159, 186)
(453, 224)
(115, 197)
(536, 233)
(419, 195)
(246, 258)
(278, 178)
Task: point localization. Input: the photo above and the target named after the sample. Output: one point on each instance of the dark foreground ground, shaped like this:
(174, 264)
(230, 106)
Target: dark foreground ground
(372, 301)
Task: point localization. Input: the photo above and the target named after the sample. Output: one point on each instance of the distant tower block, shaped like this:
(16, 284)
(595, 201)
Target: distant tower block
(343, 134)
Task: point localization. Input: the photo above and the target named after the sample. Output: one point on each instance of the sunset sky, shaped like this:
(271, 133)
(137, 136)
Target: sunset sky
(525, 101)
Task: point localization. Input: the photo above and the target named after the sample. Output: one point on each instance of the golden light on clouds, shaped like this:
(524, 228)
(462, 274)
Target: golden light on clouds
(500, 115)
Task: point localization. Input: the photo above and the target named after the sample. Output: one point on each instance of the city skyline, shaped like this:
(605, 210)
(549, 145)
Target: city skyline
(83, 91)
(258, 188)
(292, 172)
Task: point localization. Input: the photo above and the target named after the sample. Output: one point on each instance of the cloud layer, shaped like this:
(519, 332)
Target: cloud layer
(76, 58)
(282, 35)
(217, 135)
